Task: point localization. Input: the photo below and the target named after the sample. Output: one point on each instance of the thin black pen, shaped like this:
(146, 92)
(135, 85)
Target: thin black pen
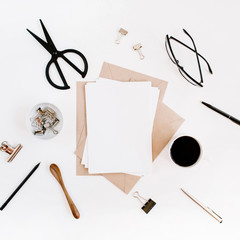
(235, 120)
(19, 187)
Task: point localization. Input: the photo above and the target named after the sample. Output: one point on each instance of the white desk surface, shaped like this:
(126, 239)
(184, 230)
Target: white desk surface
(40, 210)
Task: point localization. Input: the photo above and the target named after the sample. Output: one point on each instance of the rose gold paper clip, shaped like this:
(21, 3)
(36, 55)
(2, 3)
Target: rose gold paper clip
(137, 47)
(122, 32)
(5, 147)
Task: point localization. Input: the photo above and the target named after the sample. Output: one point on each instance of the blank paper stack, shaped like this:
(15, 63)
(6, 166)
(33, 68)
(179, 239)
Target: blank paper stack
(120, 119)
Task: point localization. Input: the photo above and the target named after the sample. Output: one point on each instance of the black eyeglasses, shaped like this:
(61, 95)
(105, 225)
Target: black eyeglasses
(180, 68)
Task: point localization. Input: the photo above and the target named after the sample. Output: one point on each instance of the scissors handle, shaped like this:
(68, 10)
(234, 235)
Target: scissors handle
(60, 54)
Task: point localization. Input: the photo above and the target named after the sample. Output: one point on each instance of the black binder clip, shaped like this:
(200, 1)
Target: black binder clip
(147, 204)
(5, 147)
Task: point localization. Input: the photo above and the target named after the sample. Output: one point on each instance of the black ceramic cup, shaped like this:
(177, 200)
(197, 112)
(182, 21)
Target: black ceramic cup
(185, 151)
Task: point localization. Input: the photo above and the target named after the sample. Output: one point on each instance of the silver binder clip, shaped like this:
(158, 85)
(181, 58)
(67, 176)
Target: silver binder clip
(121, 32)
(137, 47)
(147, 204)
(5, 147)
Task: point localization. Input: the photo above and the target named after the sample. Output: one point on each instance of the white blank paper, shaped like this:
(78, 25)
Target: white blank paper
(119, 124)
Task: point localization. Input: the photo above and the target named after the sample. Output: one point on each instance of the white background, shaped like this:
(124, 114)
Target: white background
(40, 210)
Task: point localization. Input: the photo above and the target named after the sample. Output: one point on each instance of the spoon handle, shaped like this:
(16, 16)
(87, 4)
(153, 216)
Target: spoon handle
(54, 169)
(71, 204)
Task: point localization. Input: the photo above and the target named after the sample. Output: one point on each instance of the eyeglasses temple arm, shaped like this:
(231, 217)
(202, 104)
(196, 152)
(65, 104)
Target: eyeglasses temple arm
(209, 68)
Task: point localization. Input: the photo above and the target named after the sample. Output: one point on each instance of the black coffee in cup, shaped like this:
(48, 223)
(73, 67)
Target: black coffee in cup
(185, 151)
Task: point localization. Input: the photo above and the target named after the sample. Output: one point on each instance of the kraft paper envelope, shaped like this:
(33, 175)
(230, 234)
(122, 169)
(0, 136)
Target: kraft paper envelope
(166, 123)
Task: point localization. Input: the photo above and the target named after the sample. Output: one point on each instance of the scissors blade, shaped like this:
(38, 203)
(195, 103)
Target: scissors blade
(43, 43)
(48, 38)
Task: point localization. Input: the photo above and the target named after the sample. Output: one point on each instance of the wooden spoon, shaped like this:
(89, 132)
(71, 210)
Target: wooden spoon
(57, 174)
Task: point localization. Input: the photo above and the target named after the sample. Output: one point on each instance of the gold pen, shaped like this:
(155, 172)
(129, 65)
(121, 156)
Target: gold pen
(207, 209)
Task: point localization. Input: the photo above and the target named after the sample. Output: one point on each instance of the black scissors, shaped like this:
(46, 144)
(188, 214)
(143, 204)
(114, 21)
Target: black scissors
(50, 47)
